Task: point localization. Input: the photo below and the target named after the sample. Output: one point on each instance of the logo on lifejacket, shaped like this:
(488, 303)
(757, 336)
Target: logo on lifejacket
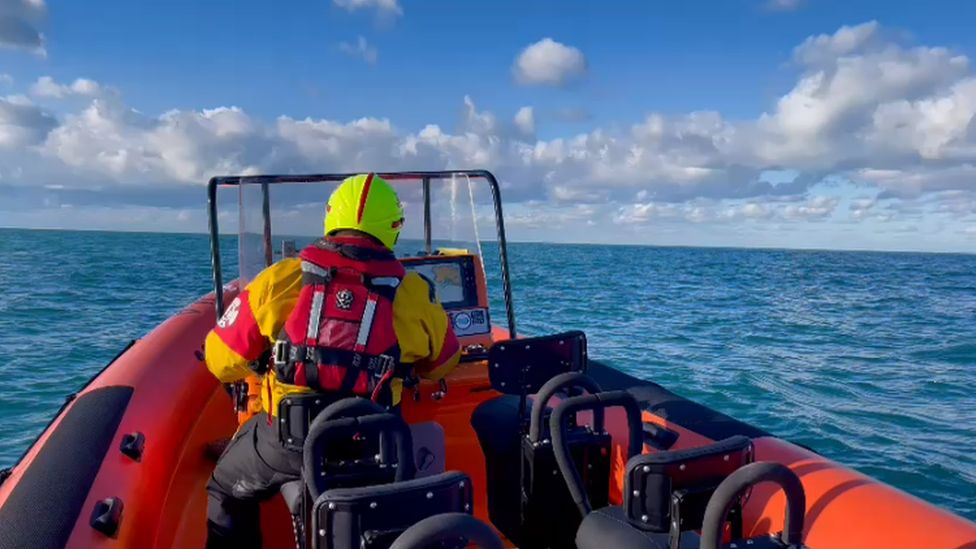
(230, 315)
(344, 300)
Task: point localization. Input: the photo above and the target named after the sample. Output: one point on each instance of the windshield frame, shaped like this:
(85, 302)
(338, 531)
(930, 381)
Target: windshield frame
(425, 177)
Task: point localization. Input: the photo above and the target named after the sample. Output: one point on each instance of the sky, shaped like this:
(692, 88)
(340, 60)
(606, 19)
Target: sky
(767, 123)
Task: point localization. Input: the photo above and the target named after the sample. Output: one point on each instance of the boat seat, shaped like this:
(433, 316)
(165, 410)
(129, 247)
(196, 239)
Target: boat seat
(373, 517)
(517, 369)
(665, 496)
(615, 527)
(352, 442)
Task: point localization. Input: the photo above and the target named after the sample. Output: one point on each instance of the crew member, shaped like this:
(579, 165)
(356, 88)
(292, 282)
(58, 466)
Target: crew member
(342, 319)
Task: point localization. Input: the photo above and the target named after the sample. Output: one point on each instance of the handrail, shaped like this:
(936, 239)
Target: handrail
(266, 180)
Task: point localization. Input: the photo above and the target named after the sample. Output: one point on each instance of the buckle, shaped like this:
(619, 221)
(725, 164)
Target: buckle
(381, 364)
(280, 355)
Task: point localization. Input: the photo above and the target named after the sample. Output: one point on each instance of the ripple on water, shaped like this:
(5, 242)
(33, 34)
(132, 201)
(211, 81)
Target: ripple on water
(866, 357)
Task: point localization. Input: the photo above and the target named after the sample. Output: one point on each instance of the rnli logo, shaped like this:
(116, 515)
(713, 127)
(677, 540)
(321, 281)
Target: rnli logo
(230, 315)
(344, 300)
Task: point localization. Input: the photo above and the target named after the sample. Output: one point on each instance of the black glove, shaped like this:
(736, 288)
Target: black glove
(260, 366)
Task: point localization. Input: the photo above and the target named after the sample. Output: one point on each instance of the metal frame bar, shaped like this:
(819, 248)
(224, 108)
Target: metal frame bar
(428, 245)
(266, 212)
(425, 176)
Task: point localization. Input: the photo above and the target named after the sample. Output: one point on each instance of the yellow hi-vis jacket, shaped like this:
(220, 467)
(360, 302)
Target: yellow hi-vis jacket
(252, 322)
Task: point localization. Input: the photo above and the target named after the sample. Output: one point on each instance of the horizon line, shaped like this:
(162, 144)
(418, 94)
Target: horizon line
(549, 243)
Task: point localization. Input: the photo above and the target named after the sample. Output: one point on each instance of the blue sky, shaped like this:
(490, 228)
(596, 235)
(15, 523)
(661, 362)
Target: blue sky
(650, 122)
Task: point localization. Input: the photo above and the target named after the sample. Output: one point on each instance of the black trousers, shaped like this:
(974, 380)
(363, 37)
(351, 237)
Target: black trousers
(251, 470)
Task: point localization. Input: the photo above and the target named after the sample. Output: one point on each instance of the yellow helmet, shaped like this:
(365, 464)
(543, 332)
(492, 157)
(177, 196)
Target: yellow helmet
(365, 203)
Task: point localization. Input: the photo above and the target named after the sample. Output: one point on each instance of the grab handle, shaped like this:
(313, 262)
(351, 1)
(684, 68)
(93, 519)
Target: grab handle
(351, 406)
(551, 387)
(725, 496)
(447, 527)
(560, 448)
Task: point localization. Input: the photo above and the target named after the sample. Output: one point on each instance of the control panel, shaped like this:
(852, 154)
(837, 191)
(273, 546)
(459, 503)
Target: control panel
(467, 322)
(459, 284)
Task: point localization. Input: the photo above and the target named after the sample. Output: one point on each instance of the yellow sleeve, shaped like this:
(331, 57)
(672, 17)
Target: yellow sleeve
(423, 329)
(251, 322)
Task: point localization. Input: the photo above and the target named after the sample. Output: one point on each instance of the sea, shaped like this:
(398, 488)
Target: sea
(868, 358)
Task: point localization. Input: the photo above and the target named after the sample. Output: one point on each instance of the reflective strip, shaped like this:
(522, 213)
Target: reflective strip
(390, 281)
(367, 323)
(314, 269)
(363, 197)
(312, 333)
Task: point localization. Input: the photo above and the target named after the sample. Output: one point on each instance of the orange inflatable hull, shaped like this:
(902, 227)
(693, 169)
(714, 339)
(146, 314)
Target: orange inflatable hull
(160, 388)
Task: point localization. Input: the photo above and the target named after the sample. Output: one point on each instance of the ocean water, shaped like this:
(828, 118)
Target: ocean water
(869, 358)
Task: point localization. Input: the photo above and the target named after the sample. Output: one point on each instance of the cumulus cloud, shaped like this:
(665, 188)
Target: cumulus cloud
(525, 120)
(827, 118)
(549, 63)
(818, 207)
(19, 20)
(784, 5)
(22, 123)
(711, 211)
(895, 119)
(47, 87)
(361, 49)
(382, 7)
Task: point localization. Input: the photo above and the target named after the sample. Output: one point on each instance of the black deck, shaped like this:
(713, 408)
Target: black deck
(674, 408)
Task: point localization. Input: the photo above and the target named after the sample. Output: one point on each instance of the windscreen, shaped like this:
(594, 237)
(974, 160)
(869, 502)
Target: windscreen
(461, 217)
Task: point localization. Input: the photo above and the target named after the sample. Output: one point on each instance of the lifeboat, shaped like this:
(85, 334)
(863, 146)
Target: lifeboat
(528, 443)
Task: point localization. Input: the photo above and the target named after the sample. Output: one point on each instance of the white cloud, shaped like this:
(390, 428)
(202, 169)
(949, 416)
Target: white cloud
(19, 20)
(818, 207)
(22, 124)
(826, 48)
(549, 63)
(850, 81)
(386, 7)
(47, 87)
(784, 5)
(896, 120)
(936, 127)
(702, 211)
(361, 49)
(6, 80)
(525, 120)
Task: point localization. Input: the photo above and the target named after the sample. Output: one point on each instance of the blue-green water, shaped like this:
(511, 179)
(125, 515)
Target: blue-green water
(870, 358)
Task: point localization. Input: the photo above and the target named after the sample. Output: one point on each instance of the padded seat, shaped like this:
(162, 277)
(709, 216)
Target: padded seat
(497, 425)
(517, 368)
(608, 528)
(372, 517)
(665, 496)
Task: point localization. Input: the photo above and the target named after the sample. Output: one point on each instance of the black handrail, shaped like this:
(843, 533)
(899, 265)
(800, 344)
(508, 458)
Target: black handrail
(558, 427)
(265, 180)
(448, 527)
(562, 381)
(266, 213)
(728, 491)
(428, 232)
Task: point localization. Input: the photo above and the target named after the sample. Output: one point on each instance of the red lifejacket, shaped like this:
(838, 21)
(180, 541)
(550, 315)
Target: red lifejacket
(340, 335)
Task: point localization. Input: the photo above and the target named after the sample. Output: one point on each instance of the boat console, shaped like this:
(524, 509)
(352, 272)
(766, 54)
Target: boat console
(458, 280)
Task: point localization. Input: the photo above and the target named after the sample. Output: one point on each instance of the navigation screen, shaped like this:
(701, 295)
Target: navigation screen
(448, 280)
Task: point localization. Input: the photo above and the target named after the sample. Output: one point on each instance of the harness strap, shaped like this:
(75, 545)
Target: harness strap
(376, 365)
(312, 376)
